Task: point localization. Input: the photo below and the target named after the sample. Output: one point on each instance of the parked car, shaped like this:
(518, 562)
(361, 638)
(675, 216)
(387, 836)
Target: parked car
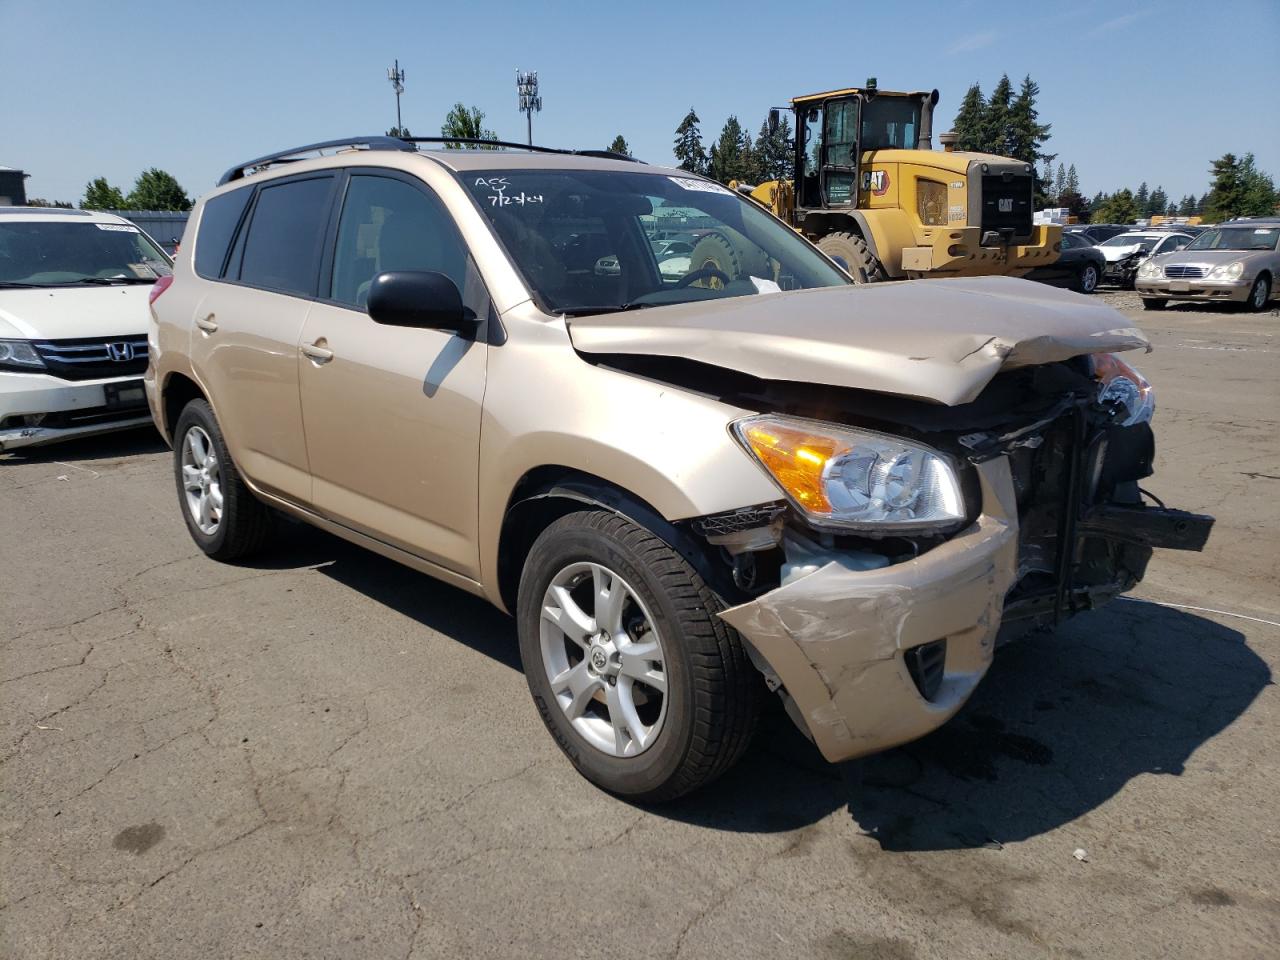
(688, 492)
(1127, 251)
(73, 318)
(1079, 266)
(1097, 232)
(1236, 262)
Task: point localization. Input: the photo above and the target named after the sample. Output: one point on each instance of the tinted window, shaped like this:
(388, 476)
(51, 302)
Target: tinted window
(281, 251)
(217, 224)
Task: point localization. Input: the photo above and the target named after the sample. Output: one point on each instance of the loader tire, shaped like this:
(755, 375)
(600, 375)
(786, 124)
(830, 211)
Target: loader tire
(732, 255)
(853, 250)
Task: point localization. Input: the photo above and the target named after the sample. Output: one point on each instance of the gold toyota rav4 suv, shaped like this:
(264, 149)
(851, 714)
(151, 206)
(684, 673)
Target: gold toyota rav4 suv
(690, 483)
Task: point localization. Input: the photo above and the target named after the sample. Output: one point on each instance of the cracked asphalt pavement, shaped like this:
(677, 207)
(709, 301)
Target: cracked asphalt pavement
(325, 755)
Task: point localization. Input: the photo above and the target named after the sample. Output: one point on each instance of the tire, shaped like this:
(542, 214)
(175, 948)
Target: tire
(242, 525)
(1154, 303)
(732, 255)
(863, 266)
(1259, 294)
(1087, 278)
(700, 722)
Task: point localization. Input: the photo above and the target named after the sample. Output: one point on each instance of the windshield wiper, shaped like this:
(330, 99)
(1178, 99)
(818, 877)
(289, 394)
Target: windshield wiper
(105, 281)
(16, 283)
(588, 311)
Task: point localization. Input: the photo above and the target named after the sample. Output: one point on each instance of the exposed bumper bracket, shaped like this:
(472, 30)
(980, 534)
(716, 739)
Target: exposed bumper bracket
(1148, 526)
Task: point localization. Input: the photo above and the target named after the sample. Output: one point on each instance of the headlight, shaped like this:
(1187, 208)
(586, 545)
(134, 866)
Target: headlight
(847, 479)
(1151, 270)
(19, 355)
(1126, 386)
(931, 203)
(1227, 271)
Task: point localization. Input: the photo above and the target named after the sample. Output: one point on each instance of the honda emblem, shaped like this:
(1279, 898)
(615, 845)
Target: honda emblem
(121, 351)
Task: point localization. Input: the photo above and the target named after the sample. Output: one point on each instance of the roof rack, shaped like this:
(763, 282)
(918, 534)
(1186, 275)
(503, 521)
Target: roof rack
(404, 145)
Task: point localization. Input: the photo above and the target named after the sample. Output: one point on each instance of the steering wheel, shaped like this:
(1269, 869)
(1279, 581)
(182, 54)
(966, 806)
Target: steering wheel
(702, 273)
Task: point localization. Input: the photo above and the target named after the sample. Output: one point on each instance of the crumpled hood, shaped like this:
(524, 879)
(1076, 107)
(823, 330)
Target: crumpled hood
(938, 340)
(44, 314)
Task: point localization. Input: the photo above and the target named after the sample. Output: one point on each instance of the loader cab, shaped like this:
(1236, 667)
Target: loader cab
(833, 130)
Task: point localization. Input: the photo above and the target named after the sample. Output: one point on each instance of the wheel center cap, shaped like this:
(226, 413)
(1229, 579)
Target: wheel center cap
(599, 659)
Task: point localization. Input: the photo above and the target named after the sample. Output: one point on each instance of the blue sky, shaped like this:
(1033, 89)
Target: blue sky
(1140, 90)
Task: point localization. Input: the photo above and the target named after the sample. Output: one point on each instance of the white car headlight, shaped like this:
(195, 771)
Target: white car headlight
(19, 355)
(1227, 271)
(843, 478)
(1124, 385)
(1151, 270)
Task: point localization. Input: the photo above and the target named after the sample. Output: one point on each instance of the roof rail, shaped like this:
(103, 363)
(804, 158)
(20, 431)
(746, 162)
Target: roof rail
(288, 156)
(403, 144)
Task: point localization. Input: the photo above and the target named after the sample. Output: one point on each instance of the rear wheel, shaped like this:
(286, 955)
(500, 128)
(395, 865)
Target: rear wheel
(646, 690)
(1259, 294)
(1154, 303)
(853, 250)
(223, 516)
(1087, 278)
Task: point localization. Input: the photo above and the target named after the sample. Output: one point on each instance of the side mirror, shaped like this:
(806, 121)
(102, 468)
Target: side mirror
(774, 120)
(419, 298)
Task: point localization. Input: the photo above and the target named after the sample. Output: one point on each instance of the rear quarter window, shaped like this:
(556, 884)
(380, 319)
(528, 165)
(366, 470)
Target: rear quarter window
(218, 224)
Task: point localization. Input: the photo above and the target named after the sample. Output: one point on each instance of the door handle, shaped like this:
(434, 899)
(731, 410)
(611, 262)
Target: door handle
(317, 353)
(207, 324)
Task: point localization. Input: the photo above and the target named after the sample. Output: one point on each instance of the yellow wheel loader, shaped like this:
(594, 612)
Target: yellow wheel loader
(868, 188)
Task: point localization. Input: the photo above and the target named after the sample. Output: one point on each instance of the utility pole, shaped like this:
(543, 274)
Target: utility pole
(530, 102)
(396, 76)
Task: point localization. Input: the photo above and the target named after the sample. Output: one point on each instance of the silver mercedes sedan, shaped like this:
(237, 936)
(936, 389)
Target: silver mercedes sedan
(1234, 262)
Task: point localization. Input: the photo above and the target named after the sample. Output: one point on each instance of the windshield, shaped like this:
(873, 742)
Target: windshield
(584, 240)
(60, 253)
(1237, 238)
(1131, 240)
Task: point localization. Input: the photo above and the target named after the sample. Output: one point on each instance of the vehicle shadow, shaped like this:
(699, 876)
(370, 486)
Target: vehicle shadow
(1062, 722)
(106, 446)
(1060, 725)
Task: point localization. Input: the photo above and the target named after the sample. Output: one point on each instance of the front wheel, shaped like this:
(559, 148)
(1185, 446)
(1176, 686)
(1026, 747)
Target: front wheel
(646, 690)
(1087, 278)
(1259, 294)
(862, 264)
(223, 516)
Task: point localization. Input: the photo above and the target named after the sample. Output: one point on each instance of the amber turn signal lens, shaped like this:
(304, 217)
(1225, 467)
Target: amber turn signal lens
(796, 458)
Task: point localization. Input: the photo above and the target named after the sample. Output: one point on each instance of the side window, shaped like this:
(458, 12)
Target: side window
(218, 222)
(282, 246)
(388, 224)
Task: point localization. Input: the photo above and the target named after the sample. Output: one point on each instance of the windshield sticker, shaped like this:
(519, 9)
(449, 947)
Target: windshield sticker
(500, 197)
(1264, 232)
(699, 186)
(143, 270)
(116, 227)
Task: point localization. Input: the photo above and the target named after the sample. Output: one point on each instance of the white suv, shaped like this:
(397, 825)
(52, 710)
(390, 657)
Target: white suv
(73, 320)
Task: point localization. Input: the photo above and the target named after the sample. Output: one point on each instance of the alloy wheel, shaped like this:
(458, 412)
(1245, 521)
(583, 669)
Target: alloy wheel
(201, 480)
(604, 659)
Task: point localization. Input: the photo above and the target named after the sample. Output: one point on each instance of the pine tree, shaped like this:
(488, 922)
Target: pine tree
(688, 148)
(995, 120)
(1060, 181)
(1187, 206)
(1025, 134)
(1073, 179)
(1202, 205)
(1260, 195)
(968, 124)
(619, 146)
(1226, 197)
(731, 155)
(1171, 210)
(1157, 202)
(1120, 207)
(773, 152)
(1140, 198)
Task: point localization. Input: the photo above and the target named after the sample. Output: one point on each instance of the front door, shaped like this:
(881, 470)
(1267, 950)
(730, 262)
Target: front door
(840, 153)
(392, 414)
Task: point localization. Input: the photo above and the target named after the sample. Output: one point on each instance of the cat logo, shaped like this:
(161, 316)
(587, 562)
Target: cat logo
(877, 181)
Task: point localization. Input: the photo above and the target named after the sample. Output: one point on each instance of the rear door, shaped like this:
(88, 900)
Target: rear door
(244, 347)
(392, 414)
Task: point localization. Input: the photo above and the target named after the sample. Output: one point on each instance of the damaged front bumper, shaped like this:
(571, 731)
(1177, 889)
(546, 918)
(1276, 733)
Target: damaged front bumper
(837, 639)
(871, 659)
